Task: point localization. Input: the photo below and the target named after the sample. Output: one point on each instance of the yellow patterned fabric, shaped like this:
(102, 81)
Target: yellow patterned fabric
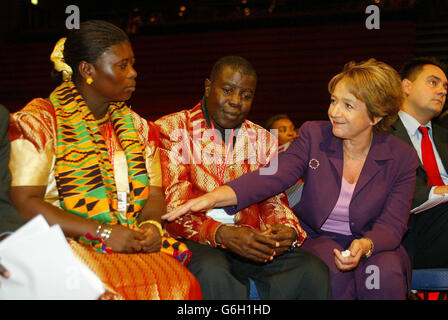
(33, 143)
(83, 170)
(195, 173)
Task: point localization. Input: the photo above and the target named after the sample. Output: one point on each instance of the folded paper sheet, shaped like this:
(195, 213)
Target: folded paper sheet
(220, 215)
(42, 266)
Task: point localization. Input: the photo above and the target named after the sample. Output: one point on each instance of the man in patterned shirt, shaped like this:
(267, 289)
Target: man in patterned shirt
(212, 144)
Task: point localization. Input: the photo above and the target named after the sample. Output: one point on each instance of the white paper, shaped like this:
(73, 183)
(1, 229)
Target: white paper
(42, 266)
(30, 229)
(220, 215)
(429, 204)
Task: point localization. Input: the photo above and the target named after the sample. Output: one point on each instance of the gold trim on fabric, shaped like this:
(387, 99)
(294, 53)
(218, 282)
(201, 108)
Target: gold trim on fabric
(154, 169)
(28, 166)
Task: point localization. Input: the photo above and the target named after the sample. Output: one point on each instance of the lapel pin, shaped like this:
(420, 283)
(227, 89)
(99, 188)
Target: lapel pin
(314, 163)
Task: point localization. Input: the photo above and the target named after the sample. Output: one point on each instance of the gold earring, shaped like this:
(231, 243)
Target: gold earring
(89, 80)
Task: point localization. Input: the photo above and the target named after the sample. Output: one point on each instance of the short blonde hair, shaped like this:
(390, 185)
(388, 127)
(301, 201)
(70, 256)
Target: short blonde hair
(378, 85)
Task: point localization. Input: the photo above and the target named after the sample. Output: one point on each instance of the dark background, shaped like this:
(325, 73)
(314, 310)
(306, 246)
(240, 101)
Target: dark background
(296, 46)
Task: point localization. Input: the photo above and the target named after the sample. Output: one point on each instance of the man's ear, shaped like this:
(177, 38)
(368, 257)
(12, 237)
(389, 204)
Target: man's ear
(207, 84)
(406, 86)
(86, 70)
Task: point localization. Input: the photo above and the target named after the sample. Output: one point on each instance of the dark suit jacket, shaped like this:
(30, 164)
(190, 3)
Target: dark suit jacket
(9, 218)
(440, 136)
(381, 201)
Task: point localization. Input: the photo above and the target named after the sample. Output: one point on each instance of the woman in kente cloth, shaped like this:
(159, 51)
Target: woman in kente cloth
(84, 160)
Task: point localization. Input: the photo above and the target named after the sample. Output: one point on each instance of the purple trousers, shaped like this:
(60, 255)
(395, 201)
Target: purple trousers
(384, 275)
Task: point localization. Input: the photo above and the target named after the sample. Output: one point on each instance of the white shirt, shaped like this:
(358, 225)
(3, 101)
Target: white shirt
(412, 125)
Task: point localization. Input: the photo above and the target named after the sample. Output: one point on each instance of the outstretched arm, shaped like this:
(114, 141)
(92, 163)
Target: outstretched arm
(220, 197)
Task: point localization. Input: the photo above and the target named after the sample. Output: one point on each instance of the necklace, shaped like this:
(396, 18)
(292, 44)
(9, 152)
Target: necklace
(103, 119)
(358, 157)
(350, 157)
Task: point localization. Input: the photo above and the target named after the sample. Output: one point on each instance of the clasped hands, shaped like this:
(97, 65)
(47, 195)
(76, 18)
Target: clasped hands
(258, 246)
(146, 239)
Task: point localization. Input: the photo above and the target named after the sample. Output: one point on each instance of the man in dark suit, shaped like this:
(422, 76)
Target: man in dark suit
(425, 84)
(9, 218)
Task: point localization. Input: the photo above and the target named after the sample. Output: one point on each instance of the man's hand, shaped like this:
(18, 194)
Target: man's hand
(247, 243)
(441, 189)
(284, 235)
(3, 272)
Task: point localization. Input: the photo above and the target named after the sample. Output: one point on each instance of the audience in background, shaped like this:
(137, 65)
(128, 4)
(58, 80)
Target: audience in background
(285, 130)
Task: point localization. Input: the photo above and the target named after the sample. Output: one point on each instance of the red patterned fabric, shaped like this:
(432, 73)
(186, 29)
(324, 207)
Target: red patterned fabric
(154, 276)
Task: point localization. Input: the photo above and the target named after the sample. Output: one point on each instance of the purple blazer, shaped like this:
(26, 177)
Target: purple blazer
(381, 201)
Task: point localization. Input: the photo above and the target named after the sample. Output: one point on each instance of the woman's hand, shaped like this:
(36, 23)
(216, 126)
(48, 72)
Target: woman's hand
(153, 239)
(358, 248)
(220, 197)
(125, 240)
(202, 203)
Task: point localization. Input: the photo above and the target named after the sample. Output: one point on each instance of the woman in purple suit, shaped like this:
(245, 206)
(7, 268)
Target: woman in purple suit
(359, 183)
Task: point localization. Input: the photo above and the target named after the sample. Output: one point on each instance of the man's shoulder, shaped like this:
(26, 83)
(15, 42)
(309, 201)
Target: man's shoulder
(439, 130)
(173, 120)
(37, 113)
(179, 116)
(249, 125)
(3, 112)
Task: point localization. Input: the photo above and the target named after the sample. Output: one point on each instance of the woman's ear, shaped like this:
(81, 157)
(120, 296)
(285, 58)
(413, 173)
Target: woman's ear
(376, 120)
(86, 70)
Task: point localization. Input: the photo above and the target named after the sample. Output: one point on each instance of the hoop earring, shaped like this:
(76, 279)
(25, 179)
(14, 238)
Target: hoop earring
(89, 81)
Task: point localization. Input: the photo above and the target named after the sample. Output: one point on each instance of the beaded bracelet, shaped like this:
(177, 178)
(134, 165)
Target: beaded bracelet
(96, 243)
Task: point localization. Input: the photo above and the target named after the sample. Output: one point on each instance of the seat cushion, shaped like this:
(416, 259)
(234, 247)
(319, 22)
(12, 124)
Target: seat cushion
(430, 279)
